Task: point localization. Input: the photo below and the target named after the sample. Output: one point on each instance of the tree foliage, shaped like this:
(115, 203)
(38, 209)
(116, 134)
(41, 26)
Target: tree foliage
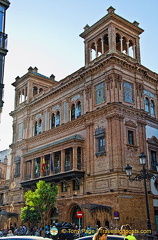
(42, 199)
(30, 215)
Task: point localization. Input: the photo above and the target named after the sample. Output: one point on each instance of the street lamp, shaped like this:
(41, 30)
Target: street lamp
(144, 175)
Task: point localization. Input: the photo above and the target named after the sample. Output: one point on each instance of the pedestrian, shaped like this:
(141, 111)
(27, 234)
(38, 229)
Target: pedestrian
(10, 233)
(101, 234)
(127, 232)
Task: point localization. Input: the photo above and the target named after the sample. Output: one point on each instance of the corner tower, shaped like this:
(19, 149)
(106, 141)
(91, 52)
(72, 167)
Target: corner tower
(112, 34)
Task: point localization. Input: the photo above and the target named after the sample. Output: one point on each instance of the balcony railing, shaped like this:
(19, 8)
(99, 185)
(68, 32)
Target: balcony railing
(68, 167)
(56, 170)
(27, 176)
(79, 166)
(3, 40)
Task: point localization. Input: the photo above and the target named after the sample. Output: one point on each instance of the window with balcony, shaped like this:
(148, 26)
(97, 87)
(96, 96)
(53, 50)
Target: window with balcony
(79, 158)
(57, 157)
(37, 167)
(68, 158)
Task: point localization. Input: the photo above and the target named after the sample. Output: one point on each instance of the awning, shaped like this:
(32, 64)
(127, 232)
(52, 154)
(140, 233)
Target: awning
(96, 207)
(8, 214)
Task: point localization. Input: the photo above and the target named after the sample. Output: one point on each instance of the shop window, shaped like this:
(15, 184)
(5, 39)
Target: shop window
(130, 137)
(153, 160)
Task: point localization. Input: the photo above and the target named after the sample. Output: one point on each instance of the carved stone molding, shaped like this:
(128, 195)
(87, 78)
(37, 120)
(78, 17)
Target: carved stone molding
(130, 123)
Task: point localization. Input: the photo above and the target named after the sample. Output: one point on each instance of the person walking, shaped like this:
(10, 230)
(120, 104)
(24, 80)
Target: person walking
(127, 232)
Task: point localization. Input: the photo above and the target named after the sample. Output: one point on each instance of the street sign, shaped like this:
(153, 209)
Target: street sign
(116, 215)
(79, 214)
(53, 231)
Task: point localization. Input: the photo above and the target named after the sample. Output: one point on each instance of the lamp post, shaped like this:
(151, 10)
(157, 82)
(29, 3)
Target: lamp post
(144, 175)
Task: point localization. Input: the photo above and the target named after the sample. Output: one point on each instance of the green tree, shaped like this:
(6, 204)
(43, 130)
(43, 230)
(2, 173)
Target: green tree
(42, 199)
(30, 215)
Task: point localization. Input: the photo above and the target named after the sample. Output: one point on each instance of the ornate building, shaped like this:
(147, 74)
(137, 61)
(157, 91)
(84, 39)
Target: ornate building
(81, 132)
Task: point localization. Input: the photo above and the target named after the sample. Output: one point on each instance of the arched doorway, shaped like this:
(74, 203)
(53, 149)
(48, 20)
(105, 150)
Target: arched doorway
(75, 219)
(107, 223)
(98, 224)
(54, 216)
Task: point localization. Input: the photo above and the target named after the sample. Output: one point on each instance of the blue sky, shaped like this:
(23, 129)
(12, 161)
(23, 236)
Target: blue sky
(45, 34)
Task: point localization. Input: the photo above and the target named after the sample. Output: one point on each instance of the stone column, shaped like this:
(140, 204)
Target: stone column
(134, 51)
(127, 48)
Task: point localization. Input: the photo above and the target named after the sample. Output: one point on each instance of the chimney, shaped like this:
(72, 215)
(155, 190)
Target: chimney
(30, 69)
(111, 10)
(52, 77)
(35, 69)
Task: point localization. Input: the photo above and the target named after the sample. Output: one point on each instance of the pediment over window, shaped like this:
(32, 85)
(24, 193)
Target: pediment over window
(152, 140)
(130, 124)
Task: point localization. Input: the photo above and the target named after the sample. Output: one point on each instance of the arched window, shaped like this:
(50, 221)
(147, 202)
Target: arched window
(146, 104)
(124, 45)
(152, 108)
(99, 47)
(35, 129)
(93, 52)
(40, 126)
(106, 43)
(78, 109)
(73, 112)
(118, 42)
(35, 91)
(40, 90)
(57, 119)
(131, 50)
(53, 121)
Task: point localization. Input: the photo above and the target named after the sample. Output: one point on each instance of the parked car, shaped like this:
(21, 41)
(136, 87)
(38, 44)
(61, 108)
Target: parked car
(24, 238)
(110, 237)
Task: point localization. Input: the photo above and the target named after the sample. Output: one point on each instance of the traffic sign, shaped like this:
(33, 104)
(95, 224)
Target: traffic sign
(79, 214)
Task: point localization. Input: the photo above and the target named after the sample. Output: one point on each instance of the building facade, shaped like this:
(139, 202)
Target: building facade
(81, 131)
(4, 4)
